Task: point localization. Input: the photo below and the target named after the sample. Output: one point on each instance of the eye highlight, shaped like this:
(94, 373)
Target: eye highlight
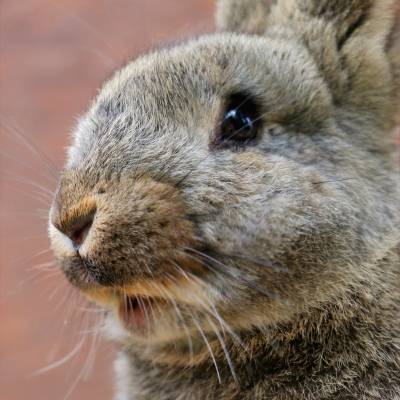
(240, 124)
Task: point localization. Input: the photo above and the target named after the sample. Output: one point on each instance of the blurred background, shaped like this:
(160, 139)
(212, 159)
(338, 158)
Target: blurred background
(54, 54)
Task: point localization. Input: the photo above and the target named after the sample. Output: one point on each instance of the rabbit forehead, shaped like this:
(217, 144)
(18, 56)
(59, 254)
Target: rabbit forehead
(184, 87)
(215, 64)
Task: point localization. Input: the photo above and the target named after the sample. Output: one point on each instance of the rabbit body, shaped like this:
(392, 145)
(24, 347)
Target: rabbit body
(264, 264)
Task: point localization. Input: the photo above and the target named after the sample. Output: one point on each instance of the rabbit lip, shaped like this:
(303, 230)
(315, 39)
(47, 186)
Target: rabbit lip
(135, 308)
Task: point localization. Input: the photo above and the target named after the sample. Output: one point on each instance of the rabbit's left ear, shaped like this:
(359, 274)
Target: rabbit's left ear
(355, 45)
(243, 16)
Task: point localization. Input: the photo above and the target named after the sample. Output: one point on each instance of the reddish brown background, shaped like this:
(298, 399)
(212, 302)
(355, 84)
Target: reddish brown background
(53, 56)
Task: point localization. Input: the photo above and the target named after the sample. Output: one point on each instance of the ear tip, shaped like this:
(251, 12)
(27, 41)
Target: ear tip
(244, 16)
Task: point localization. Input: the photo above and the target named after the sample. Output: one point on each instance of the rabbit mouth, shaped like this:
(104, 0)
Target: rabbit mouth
(141, 305)
(136, 310)
(136, 313)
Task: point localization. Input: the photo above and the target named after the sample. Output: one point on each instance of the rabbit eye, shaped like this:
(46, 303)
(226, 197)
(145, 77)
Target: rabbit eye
(240, 122)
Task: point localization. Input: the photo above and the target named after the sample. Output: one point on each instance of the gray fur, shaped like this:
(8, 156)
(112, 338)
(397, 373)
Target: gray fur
(294, 241)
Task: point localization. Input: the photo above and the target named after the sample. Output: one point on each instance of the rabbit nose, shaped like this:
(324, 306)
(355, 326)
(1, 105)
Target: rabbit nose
(73, 213)
(77, 227)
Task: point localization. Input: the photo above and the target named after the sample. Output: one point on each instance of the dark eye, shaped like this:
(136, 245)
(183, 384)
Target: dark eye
(240, 122)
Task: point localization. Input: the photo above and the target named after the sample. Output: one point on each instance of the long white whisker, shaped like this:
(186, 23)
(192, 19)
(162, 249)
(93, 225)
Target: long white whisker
(23, 180)
(92, 352)
(31, 146)
(38, 172)
(62, 361)
(77, 379)
(208, 346)
(47, 266)
(230, 271)
(180, 317)
(213, 311)
(224, 348)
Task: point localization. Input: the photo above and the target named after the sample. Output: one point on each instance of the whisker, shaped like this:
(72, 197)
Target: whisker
(107, 60)
(47, 266)
(91, 310)
(37, 277)
(84, 370)
(229, 271)
(83, 22)
(92, 352)
(38, 196)
(180, 317)
(225, 350)
(38, 172)
(60, 362)
(212, 311)
(25, 181)
(208, 346)
(15, 131)
(142, 306)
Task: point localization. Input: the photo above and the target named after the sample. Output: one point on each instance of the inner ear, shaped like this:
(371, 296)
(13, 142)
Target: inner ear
(243, 16)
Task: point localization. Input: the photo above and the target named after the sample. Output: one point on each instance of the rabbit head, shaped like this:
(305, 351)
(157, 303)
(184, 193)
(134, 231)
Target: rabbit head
(241, 178)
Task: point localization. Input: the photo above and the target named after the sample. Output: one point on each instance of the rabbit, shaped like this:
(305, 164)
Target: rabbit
(232, 203)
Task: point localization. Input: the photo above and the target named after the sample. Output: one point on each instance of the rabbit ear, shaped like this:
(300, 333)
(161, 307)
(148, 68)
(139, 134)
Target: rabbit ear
(243, 16)
(351, 41)
(354, 45)
(346, 16)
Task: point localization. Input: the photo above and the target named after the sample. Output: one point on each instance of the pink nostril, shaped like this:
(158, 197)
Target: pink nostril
(79, 230)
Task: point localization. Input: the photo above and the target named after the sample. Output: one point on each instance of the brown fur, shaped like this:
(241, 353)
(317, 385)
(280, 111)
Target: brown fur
(275, 267)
